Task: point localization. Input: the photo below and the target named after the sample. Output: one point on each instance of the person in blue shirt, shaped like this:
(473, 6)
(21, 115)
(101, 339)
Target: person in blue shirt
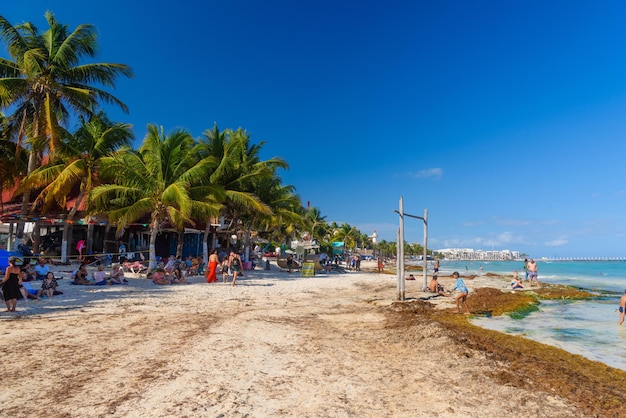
(462, 296)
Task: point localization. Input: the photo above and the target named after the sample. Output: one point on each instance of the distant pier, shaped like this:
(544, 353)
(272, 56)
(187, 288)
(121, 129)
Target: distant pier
(583, 259)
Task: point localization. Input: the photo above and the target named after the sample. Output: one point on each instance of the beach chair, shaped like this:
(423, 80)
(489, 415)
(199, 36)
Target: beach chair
(282, 263)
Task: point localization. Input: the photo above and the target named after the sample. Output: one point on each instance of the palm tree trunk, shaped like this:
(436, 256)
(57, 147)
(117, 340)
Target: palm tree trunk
(205, 242)
(153, 235)
(90, 228)
(32, 162)
(67, 226)
(179, 245)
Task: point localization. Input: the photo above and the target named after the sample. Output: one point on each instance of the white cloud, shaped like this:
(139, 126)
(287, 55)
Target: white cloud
(435, 173)
(559, 242)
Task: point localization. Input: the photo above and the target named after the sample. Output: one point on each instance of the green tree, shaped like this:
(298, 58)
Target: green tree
(239, 172)
(45, 82)
(315, 223)
(75, 166)
(161, 181)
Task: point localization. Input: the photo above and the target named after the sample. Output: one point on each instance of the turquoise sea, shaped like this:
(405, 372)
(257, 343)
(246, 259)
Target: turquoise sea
(588, 328)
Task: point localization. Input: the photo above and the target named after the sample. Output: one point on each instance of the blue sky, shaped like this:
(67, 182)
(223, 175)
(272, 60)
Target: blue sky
(506, 120)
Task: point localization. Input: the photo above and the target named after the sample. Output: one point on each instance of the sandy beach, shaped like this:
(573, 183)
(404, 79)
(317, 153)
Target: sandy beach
(275, 345)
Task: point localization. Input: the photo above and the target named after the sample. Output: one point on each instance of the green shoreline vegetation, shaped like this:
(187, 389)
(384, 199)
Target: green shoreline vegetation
(595, 388)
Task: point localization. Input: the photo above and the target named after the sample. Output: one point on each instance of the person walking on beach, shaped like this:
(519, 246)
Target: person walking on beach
(234, 262)
(380, 264)
(211, 274)
(80, 246)
(436, 268)
(622, 309)
(532, 272)
(11, 284)
(462, 296)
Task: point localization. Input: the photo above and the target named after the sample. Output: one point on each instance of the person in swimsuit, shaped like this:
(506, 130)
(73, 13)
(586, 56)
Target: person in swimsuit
(11, 284)
(234, 262)
(532, 272)
(435, 287)
(80, 246)
(516, 283)
(211, 274)
(462, 296)
(80, 277)
(622, 308)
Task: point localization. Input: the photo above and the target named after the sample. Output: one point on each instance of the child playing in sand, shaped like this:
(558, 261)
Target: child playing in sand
(462, 296)
(224, 269)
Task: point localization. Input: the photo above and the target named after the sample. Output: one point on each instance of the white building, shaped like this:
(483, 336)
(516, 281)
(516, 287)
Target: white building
(471, 254)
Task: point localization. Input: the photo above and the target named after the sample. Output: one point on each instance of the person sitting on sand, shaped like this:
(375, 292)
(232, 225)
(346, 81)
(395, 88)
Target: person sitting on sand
(435, 287)
(622, 309)
(30, 273)
(99, 277)
(158, 277)
(516, 283)
(178, 277)
(27, 289)
(170, 265)
(117, 275)
(462, 296)
(41, 269)
(411, 277)
(48, 285)
(80, 275)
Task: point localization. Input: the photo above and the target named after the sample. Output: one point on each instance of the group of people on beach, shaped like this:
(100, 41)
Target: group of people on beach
(100, 277)
(460, 298)
(16, 283)
(230, 264)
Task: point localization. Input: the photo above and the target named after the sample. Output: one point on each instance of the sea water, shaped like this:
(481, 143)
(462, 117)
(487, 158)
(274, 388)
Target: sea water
(588, 327)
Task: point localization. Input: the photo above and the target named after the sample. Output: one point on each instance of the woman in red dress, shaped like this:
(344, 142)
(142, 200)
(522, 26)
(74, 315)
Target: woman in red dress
(211, 274)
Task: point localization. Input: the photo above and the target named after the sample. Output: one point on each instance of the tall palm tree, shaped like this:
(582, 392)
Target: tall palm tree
(75, 166)
(239, 172)
(162, 180)
(45, 83)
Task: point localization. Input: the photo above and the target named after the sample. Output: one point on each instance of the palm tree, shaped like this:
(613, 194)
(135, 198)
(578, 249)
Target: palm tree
(13, 160)
(348, 234)
(315, 222)
(76, 166)
(45, 83)
(286, 209)
(162, 180)
(239, 172)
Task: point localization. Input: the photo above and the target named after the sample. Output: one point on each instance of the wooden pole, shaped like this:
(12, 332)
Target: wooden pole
(425, 245)
(401, 282)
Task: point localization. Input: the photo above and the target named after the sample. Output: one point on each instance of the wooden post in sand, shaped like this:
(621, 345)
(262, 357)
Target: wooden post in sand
(400, 253)
(400, 263)
(425, 219)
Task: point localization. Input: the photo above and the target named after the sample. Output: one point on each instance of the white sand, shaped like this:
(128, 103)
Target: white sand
(276, 345)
